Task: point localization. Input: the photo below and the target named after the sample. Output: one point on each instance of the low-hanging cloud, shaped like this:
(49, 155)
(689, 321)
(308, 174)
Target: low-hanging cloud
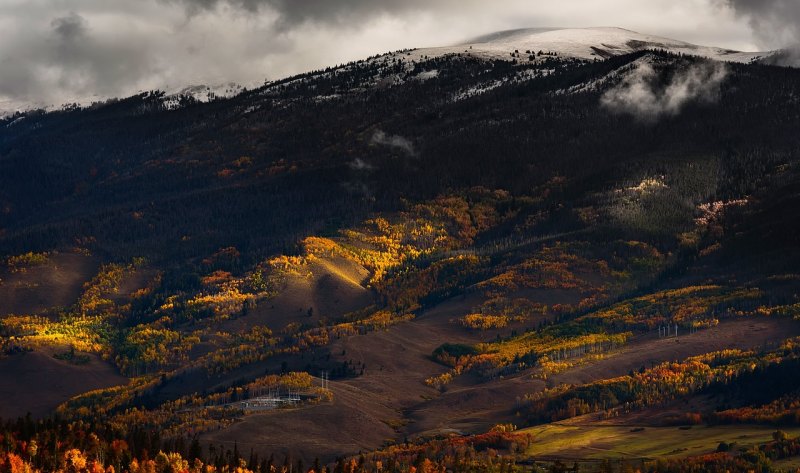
(642, 94)
(395, 141)
(775, 24)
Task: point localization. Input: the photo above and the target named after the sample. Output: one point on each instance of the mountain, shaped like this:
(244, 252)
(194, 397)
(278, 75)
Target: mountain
(428, 260)
(581, 43)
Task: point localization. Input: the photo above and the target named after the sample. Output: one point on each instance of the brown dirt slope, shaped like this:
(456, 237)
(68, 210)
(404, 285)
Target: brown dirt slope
(37, 383)
(332, 288)
(647, 350)
(57, 283)
(477, 407)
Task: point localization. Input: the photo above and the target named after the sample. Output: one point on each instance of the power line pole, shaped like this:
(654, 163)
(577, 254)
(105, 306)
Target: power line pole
(324, 380)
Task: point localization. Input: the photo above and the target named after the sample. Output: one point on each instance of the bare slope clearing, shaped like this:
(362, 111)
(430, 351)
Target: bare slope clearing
(649, 350)
(57, 283)
(329, 289)
(37, 383)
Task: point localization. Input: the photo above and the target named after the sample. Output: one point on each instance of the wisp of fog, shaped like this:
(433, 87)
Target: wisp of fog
(642, 95)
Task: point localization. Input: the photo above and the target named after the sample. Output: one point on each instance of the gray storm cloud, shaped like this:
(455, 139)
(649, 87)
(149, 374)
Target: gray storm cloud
(67, 56)
(70, 27)
(775, 23)
(87, 64)
(642, 95)
(291, 12)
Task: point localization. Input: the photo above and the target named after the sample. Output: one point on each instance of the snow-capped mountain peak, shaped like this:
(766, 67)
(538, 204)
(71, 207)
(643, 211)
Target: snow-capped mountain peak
(522, 45)
(580, 43)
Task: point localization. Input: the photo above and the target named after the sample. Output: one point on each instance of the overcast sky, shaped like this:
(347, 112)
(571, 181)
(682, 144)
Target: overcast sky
(54, 51)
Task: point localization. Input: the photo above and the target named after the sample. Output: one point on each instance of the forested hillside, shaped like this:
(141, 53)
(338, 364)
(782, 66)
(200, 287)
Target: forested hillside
(443, 264)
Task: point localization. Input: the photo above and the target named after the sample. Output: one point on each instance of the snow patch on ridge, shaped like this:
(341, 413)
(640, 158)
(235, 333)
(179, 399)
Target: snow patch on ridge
(578, 43)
